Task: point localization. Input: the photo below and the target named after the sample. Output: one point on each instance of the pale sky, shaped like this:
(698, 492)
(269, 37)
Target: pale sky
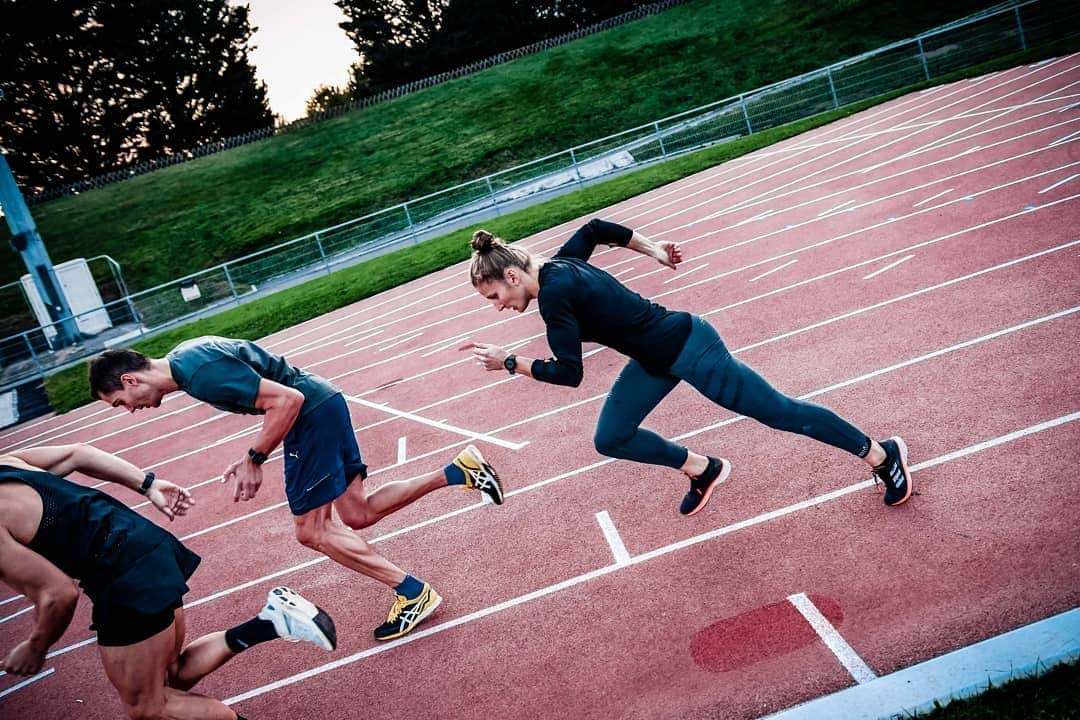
(299, 46)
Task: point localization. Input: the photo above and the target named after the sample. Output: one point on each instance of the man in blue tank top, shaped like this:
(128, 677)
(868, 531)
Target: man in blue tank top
(322, 458)
(135, 573)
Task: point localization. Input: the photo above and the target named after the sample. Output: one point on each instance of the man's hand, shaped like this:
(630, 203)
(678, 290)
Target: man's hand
(248, 477)
(489, 356)
(170, 499)
(670, 254)
(25, 659)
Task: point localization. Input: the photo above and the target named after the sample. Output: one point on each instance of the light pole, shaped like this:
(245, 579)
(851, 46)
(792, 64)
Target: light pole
(27, 242)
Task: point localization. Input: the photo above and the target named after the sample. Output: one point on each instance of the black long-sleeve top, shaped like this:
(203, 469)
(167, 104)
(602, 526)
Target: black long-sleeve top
(582, 303)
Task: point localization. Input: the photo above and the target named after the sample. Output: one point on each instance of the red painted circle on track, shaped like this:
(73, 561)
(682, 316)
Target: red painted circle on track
(757, 635)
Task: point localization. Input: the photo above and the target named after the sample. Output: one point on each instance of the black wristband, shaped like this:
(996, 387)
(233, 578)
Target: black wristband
(146, 483)
(256, 457)
(510, 363)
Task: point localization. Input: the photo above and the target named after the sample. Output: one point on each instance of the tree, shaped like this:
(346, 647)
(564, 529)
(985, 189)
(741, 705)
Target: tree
(93, 86)
(325, 98)
(404, 40)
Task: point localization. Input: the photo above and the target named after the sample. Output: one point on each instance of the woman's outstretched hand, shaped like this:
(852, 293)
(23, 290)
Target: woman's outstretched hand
(670, 254)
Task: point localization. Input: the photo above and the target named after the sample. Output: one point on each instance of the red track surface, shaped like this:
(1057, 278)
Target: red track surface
(540, 620)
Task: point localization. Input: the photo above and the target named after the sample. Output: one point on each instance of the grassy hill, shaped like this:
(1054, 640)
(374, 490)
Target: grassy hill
(177, 220)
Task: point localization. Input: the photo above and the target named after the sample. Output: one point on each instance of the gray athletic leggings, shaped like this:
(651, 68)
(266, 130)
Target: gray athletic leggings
(706, 364)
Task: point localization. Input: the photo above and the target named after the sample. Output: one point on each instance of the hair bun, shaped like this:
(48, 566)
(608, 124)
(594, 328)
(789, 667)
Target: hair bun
(482, 241)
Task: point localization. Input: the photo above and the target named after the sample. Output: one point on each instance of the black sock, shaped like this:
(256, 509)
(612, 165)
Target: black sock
(253, 632)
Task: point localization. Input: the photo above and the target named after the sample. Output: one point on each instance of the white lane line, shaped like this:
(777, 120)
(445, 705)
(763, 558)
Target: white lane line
(578, 471)
(27, 681)
(1062, 141)
(838, 207)
(384, 348)
(473, 434)
(684, 273)
(890, 266)
(835, 642)
(622, 557)
(586, 577)
(13, 598)
(621, 272)
(401, 449)
(1060, 182)
(15, 614)
(770, 272)
(362, 338)
(932, 197)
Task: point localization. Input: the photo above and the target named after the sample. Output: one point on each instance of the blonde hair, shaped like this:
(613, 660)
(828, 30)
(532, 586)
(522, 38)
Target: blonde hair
(491, 257)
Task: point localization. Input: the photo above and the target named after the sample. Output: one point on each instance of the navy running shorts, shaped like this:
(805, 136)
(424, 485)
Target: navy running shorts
(322, 456)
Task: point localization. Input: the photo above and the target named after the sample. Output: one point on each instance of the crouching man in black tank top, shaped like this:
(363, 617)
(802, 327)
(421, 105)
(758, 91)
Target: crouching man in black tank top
(53, 532)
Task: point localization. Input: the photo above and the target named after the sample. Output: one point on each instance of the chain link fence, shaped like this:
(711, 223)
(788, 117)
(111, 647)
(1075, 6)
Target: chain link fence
(998, 31)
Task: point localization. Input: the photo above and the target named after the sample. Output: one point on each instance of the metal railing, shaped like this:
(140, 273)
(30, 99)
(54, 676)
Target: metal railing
(993, 33)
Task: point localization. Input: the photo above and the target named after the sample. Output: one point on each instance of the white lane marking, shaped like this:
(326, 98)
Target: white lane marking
(832, 639)
(578, 471)
(1059, 182)
(16, 614)
(890, 266)
(838, 207)
(362, 338)
(27, 681)
(384, 348)
(622, 557)
(1062, 141)
(401, 455)
(770, 272)
(684, 273)
(474, 434)
(13, 598)
(932, 197)
(586, 577)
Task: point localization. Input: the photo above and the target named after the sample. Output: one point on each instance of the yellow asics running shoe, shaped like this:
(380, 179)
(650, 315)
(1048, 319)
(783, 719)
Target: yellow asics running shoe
(478, 474)
(408, 613)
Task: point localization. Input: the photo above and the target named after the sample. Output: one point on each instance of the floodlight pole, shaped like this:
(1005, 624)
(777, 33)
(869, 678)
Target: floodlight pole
(28, 243)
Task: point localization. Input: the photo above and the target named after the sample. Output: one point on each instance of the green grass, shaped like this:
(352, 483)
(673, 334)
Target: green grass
(178, 220)
(69, 389)
(1053, 695)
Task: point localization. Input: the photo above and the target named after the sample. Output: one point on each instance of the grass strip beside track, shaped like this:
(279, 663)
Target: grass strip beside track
(69, 389)
(1052, 695)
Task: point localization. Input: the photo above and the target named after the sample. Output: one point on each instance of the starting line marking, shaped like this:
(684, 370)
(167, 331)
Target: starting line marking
(622, 557)
(442, 426)
(835, 642)
(599, 572)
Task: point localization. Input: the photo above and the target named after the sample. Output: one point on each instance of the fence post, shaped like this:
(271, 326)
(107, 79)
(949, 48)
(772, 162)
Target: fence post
(659, 138)
(832, 87)
(30, 346)
(322, 253)
(1020, 27)
(491, 192)
(746, 116)
(922, 57)
(232, 287)
(577, 173)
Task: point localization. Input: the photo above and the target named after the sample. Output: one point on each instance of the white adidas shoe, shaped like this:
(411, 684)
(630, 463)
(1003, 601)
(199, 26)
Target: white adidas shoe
(295, 618)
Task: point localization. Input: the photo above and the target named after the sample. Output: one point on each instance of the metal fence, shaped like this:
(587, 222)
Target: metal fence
(993, 33)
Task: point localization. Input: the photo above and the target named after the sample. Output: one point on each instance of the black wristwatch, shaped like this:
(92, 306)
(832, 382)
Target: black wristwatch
(146, 483)
(510, 363)
(256, 457)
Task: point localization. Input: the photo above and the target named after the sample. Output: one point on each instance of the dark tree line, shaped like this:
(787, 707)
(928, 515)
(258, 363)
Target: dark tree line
(404, 40)
(95, 85)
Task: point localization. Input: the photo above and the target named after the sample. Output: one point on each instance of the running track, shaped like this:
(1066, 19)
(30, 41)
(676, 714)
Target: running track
(916, 267)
